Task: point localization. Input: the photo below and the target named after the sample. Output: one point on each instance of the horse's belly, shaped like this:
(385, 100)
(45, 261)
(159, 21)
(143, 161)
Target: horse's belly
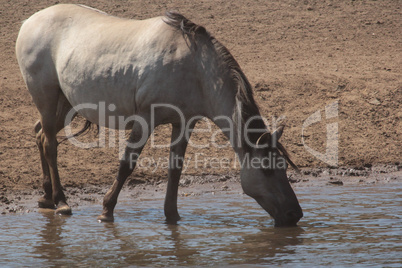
(109, 107)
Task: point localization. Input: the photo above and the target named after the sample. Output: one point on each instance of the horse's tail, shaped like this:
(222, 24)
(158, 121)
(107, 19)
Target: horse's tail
(84, 130)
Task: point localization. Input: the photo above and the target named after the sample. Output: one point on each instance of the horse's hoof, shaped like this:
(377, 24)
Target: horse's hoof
(172, 220)
(46, 203)
(63, 210)
(105, 218)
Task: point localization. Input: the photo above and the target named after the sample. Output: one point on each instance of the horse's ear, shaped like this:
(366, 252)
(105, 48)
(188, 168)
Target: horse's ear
(278, 133)
(264, 139)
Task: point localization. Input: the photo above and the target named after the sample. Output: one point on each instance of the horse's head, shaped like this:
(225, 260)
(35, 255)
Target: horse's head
(263, 177)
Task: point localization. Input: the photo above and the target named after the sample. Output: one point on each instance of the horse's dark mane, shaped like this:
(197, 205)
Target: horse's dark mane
(246, 106)
(178, 21)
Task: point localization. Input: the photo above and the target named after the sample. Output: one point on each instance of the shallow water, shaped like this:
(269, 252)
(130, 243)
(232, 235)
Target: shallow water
(342, 226)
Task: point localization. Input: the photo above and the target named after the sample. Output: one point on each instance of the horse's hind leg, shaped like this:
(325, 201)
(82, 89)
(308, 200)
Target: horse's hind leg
(52, 121)
(63, 107)
(46, 201)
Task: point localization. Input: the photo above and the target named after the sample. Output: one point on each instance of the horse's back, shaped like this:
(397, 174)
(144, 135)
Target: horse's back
(51, 28)
(94, 57)
(40, 37)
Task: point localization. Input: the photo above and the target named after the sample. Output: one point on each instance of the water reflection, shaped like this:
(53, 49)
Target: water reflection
(267, 244)
(180, 252)
(132, 241)
(50, 246)
(184, 245)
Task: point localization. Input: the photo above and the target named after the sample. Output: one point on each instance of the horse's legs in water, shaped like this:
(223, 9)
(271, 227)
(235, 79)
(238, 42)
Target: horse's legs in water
(47, 201)
(136, 143)
(177, 151)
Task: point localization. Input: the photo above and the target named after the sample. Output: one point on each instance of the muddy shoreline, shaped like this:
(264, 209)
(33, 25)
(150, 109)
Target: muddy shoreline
(25, 200)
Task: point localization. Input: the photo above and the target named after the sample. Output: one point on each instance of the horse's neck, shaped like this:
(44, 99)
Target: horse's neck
(229, 98)
(240, 122)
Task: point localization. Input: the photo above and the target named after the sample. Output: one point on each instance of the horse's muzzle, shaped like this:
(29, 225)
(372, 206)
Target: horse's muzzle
(290, 218)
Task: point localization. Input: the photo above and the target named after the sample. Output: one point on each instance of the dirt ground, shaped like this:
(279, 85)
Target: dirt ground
(299, 55)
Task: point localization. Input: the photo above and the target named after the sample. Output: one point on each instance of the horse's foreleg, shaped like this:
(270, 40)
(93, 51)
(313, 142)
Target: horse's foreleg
(46, 201)
(177, 151)
(127, 165)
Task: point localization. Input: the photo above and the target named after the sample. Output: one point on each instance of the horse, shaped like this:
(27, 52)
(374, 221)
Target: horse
(72, 55)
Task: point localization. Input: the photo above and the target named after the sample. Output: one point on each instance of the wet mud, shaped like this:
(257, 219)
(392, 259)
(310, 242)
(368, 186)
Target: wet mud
(25, 201)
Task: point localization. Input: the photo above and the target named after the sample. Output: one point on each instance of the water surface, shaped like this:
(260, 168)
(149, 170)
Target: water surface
(343, 226)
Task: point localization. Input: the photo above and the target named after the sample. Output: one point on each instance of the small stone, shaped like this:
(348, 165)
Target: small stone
(375, 101)
(335, 181)
(340, 87)
(291, 180)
